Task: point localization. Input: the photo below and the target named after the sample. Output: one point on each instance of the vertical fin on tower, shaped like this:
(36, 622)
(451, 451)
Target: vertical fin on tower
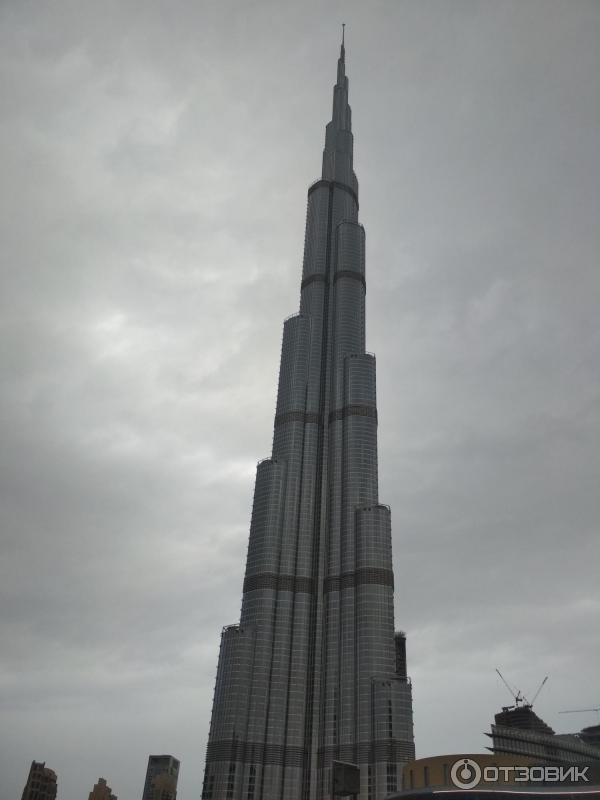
(293, 370)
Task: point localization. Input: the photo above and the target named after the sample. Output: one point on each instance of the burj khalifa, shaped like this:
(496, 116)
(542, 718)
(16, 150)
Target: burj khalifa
(314, 671)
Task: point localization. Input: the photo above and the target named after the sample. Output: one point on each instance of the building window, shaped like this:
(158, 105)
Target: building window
(251, 782)
(426, 776)
(411, 777)
(445, 768)
(230, 781)
(392, 777)
(208, 788)
(370, 782)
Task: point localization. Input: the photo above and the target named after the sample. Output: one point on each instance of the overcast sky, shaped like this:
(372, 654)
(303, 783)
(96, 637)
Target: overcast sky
(155, 162)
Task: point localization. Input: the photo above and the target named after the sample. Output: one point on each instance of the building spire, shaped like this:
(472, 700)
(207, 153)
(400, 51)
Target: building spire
(337, 156)
(341, 69)
(342, 59)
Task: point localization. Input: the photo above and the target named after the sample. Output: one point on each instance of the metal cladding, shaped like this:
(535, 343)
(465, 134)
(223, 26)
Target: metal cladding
(312, 673)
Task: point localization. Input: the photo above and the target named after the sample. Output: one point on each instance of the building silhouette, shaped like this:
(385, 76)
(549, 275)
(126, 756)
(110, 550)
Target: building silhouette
(41, 783)
(101, 791)
(591, 735)
(519, 731)
(313, 672)
(162, 774)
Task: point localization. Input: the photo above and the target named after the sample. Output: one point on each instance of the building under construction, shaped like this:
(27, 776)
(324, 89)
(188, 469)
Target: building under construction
(519, 731)
(591, 735)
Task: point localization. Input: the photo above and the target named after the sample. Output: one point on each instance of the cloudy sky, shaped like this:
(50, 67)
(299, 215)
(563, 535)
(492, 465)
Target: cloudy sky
(155, 161)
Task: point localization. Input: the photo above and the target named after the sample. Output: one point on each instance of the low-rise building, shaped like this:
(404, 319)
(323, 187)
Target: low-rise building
(435, 772)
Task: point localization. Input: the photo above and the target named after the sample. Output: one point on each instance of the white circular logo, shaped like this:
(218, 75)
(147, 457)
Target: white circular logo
(465, 773)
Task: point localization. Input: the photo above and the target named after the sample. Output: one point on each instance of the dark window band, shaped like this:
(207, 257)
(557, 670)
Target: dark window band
(232, 750)
(316, 276)
(353, 411)
(336, 185)
(297, 416)
(350, 273)
(389, 750)
(279, 583)
(341, 273)
(350, 580)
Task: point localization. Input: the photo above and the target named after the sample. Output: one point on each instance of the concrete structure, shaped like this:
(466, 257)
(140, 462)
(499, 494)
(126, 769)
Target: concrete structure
(101, 791)
(161, 778)
(519, 731)
(41, 783)
(313, 672)
(591, 735)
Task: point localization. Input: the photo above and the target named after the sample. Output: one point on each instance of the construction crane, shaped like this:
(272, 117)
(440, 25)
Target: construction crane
(517, 694)
(541, 686)
(581, 711)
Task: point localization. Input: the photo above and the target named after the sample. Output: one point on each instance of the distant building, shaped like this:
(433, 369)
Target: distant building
(102, 791)
(524, 718)
(591, 735)
(161, 778)
(41, 783)
(519, 731)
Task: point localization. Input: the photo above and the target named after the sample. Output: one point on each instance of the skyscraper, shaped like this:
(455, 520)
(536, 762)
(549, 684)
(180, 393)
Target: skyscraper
(162, 774)
(314, 672)
(41, 783)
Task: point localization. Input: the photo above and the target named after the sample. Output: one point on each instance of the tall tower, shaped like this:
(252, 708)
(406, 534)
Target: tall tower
(314, 672)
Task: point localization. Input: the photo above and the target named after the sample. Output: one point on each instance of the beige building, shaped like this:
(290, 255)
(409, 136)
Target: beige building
(102, 791)
(436, 771)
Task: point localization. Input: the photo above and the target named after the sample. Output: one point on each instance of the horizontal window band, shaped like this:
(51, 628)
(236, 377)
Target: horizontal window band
(334, 185)
(353, 411)
(350, 273)
(278, 583)
(319, 277)
(315, 277)
(310, 417)
(350, 580)
(238, 751)
(333, 583)
(386, 750)
(232, 750)
(307, 417)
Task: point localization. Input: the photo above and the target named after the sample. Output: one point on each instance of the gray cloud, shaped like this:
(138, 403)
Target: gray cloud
(155, 161)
